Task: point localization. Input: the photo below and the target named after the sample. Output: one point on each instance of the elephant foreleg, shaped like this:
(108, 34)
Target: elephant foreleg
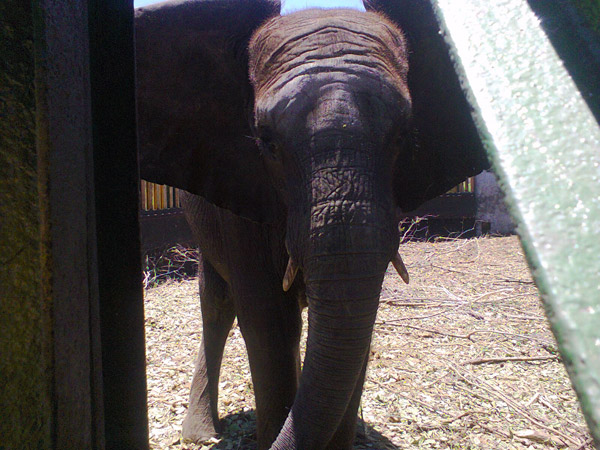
(202, 419)
(271, 330)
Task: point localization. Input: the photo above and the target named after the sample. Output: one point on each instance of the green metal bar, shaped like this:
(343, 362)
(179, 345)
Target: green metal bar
(544, 144)
(576, 38)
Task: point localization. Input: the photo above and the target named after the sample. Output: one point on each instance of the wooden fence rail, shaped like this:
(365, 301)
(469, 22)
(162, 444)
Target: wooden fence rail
(163, 224)
(155, 197)
(466, 186)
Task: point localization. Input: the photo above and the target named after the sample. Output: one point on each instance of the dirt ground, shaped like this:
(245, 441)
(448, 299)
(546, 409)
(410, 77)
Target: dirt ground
(462, 358)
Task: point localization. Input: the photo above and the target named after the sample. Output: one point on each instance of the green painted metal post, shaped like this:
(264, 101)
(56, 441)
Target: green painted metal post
(544, 144)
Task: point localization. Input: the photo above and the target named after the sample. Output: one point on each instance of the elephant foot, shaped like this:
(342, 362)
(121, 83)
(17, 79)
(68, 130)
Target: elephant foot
(197, 428)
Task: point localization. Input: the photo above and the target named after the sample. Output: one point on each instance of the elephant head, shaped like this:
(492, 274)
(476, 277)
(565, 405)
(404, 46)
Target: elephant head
(323, 122)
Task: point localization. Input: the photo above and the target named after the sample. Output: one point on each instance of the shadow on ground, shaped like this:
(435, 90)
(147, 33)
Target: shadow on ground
(239, 432)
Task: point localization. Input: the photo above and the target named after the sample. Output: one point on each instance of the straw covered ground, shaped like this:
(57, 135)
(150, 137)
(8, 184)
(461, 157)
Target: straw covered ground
(462, 358)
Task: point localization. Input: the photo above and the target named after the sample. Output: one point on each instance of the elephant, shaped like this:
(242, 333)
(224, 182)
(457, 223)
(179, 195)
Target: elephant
(297, 140)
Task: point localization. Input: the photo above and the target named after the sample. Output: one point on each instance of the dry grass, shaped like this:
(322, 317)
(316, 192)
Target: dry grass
(462, 358)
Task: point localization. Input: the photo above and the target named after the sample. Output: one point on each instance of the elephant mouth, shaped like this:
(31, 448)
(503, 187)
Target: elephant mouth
(292, 270)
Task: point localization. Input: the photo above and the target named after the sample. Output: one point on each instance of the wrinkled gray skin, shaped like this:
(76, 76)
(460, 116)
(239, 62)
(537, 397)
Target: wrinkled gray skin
(315, 181)
(329, 137)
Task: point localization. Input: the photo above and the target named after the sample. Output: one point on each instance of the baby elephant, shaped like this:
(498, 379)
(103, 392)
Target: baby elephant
(297, 138)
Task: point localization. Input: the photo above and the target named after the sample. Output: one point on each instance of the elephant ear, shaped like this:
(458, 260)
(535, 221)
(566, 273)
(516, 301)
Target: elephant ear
(446, 146)
(194, 101)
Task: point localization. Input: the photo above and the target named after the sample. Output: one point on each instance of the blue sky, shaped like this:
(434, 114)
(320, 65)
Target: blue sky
(293, 5)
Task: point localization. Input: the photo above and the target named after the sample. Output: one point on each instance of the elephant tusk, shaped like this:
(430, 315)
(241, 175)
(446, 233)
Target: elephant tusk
(290, 274)
(400, 267)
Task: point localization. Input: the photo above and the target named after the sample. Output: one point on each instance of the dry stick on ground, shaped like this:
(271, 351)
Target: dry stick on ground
(510, 358)
(400, 303)
(533, 399)
(587, 442)
(428, 316)
(427, 330)
(443, 423)
(577, 426)
(516, 335)
(492, 275)
(511, 297)
(462, 304)
(469, 335)
(479, 298)
(407, 397)
(420, 402)
(459, 247)
(437, 380)
(475, 394)
(509, 401)
(523, 318)
(492, 431)
(471, 261)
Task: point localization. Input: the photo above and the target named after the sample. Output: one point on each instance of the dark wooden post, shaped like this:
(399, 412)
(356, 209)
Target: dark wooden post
(118, 240)
(72, 364)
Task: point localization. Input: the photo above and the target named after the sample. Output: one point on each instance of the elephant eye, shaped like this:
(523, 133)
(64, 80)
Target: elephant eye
(405, 137)
(267, 146)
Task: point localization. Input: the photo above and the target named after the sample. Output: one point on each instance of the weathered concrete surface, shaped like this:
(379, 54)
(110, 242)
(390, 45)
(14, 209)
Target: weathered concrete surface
(24, 383)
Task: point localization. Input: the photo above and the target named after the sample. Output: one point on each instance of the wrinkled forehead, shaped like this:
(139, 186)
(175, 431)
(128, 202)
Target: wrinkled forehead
(319, 38)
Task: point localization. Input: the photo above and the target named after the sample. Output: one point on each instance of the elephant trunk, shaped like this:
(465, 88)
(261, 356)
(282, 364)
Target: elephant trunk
(342, 311)
(348, 238)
